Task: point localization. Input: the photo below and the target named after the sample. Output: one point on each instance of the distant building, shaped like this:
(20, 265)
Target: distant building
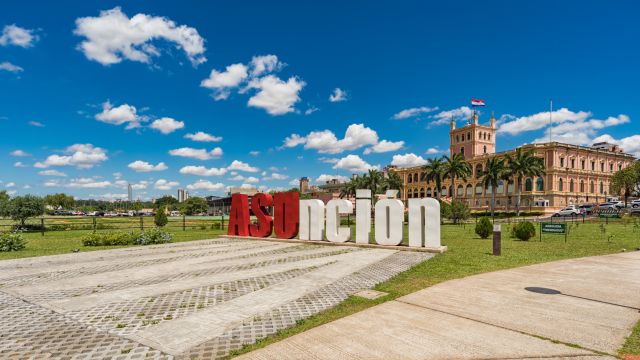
(574, 174)
(333, 186)
(130, 193)
(183, 195)
(219, 205)
(304, 184)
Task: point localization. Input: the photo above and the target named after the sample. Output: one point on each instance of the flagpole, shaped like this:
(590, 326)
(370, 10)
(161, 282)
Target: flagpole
(550, 117)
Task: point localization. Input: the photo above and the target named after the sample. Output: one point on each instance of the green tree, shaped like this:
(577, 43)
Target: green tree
(484, 228)
(166, 202)
(494, 171)
(4, 203)
(23, 207)
(351, 186)
(520, 165)
(626, 182)
(458, 211)
(456, 167)
(160, 219)
(392, 181)
(194, 205)
(434, 171)
(60, 201)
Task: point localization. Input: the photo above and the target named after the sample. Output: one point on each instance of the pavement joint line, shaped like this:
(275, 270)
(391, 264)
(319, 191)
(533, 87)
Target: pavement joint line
(595, 352)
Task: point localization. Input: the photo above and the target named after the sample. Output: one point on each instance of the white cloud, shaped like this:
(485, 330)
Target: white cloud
(328, 160)
(205, 185)
(274, 95)
(384, 146)
(265, 64)
(162, 184)
(310, 110)
(276, 176)
(294, 182)
(19, 153)
(242, 166)
(540, 120)
(15, 35)
(408, 160)
(294, 140)
(82, 156)
(117, 175)
(581, 132)
(202, 171)
(123, 114)
(413, 112)
(36, 123)
(630, 144)
(338, 95)
(221, 82)
(355, 164)
(254, 153)
(443, 117)
(10, 185)
(7, 66)
(326, 177)
(203, 137)
(433, 151)
(166, 125)
(143, 166)
(82, 183)
(252, 180)
(52, 173)
(113, 36)
(19, 164)
(200, 154)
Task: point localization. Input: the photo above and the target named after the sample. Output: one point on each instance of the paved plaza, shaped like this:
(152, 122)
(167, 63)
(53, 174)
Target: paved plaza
(192, 300)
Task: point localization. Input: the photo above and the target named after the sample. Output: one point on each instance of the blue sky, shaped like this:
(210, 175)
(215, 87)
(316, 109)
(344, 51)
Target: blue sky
(105, 93)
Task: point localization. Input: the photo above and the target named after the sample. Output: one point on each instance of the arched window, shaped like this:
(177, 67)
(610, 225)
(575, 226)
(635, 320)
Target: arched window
(592, 188)
(560, 185)
(462, 151)
(571, 185)
(421, 192)
(468, 136)
(500, 188)
(540, 184)
(457, 138)
(415, 177)
(409, 194)
(410, 179)
(601, 187)
(479, 189)
(469, 190)
(510, 187)
(428, 192)
(489, 137)
(581, 186)
(415, 193)
(460, 191)
(488, 190)
(484, 149)
(478, 170)
(528, 184)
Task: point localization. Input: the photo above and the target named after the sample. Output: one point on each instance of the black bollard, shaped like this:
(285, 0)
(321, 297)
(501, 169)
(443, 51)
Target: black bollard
(497, 240)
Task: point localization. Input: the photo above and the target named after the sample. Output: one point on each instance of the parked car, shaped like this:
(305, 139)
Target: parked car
(568, 211)
(635, 203)
(586, 209)
(634, 211)
(618, 204)
(607, 205)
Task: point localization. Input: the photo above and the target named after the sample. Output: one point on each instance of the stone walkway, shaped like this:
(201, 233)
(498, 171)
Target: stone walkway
(574, 309)
(191, 300)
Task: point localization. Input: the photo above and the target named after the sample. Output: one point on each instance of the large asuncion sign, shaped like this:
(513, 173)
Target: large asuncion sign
(313, 220)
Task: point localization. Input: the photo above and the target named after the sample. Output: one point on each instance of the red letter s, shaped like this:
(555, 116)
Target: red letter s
(259, 202)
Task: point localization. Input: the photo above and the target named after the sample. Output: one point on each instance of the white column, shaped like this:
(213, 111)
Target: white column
(424, 222)
(389, 222)
(311, 219)
(335, 232)
(363, 216)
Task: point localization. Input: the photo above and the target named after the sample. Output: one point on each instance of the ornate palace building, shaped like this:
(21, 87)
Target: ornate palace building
(574, 174)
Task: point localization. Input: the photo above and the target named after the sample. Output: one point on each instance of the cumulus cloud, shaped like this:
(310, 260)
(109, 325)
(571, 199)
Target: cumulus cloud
(384, 146)
(19, 153)
(200, 154)
(355, 164)
(274, 95)
(221, 82)
(19, 164)
(52, 173)
(167, 125)
(433, 151)
(81, 183)
(203, 137)
(7, 66)
(118, 115)
(202, 171)
(630, 144)
(541, 120)
(338, 95)
(205, 185)
(17, 36)
(443, 117)
(413, 112)
(254, 153)
(408, 160)
(10, 185)
(113, 36)
(36, 123)
(276, 176)
(326, 177)
(162, 184)
(143, 166)
(242, 166)
(82, 156)
(265, 64)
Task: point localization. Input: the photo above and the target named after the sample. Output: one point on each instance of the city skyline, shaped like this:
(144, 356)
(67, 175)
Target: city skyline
(206, 97)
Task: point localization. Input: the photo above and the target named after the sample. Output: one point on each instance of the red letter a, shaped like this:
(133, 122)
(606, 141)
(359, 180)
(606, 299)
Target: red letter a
(286, 211)
(259, 202)
(239, 216)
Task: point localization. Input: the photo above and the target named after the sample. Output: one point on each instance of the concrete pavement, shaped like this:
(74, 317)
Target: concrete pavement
(580, 308)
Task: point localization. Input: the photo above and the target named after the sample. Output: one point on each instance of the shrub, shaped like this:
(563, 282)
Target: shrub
(523, 230)
(153, 236)
(160, 219)
(484, 228)
(12, 241)
(109, 239)
(458, 211)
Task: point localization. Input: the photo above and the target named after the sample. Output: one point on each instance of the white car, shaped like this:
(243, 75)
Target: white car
(635, 203)
(568, 211)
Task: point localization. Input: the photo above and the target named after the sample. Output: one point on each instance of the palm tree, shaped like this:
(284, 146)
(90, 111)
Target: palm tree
(392, 182)
(456, 167)
(351, 186)
(494, 171)
(434, 171)
(373, 180)
(520, 165)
